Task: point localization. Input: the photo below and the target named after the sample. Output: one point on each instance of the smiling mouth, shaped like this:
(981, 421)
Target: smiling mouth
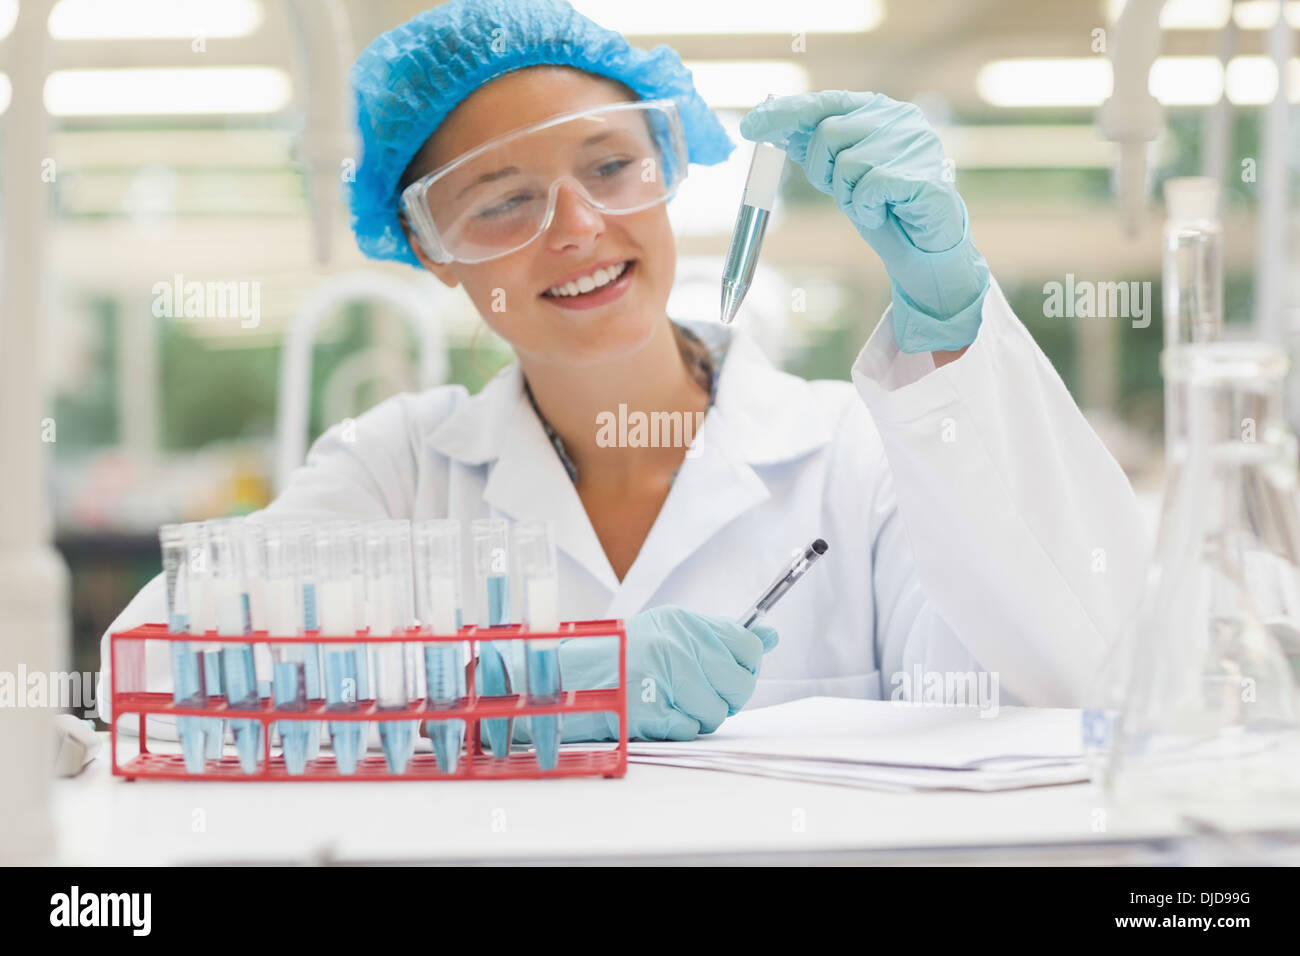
(573, 291)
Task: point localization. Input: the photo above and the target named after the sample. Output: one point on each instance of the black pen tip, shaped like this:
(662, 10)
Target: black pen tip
(820, 546)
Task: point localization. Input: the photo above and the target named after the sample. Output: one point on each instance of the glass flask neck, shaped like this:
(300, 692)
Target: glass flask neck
(1226, 394)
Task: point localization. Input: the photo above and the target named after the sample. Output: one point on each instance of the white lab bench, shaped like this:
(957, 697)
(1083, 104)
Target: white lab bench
(654, 814)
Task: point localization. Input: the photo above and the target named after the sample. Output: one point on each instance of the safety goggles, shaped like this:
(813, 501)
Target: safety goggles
(500, 196)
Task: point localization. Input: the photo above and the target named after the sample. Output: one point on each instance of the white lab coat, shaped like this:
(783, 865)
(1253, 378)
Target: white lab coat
(975, 520)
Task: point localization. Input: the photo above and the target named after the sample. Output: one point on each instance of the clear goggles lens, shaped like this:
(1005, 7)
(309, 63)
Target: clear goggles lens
(501, 196)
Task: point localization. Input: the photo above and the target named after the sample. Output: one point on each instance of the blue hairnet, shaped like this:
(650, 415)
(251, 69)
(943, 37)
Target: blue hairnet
(410, 78)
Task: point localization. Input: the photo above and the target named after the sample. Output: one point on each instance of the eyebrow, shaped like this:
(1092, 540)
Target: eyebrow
(512, 170)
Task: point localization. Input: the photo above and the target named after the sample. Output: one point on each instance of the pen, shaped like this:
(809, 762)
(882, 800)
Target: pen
(784, 581)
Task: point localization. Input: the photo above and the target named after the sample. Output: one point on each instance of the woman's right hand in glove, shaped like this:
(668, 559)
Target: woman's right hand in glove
(686, 673)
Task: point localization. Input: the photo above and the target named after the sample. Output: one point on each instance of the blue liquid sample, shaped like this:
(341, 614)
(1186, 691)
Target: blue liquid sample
(241, 692)
(214, 727)
(315, 685)
(187, 688)
(290, 694)
(445, 675)
(341, 694)
(315, 691)
(494, 681)
(544, 688)
(395, 737)
(493, 678)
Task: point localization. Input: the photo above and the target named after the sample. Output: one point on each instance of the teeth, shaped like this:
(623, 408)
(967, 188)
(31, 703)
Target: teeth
(586, 283)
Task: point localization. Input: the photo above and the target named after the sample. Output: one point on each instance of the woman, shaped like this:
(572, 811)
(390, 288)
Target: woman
(977, 525)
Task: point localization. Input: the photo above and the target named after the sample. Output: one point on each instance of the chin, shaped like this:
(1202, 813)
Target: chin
(607, 340)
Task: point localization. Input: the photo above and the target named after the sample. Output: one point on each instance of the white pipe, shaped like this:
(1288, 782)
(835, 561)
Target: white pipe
(416, 305)
(33, 578)
(1131, 115)
(1217, 132)
(1272, 172)
(322, 46)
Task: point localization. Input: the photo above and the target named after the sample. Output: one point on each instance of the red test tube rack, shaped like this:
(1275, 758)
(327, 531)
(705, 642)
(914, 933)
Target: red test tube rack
(131, 699)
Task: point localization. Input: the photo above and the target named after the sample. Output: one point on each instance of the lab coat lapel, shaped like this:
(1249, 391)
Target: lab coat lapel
(710, 490)
(526, 480)
(761, 416)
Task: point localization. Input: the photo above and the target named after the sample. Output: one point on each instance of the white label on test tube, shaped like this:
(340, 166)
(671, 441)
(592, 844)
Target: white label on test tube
(764, 176)
(281, 608)
(543, 609)
(228, 606)
(383, 615)
(202, 619)
(442, 598)
(257, 605)
(336, 605)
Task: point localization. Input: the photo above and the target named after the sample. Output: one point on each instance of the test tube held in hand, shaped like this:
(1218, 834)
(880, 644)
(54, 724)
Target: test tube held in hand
(438, 607)
(761, 188)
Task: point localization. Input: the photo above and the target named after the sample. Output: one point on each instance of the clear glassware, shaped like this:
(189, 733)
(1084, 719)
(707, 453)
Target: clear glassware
(1191, 276)
(387, 568)
(535, 552)
(1204, 708)
(229, 606)
(438, 607)
(492, 604)
(282, 592)
(339, 562)
(1192, 273)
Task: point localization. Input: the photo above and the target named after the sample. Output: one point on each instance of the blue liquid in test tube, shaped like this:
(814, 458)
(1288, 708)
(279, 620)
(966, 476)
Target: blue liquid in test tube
(438, 608)
(387, 597)
(534, 548)
(310, 622)
(494, 679)
(237, 672)
(339, 561)
(284, 618)
(187, 683)
(492, 592)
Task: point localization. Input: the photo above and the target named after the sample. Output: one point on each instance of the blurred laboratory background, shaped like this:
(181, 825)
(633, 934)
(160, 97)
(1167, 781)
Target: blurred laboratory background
(177, 156)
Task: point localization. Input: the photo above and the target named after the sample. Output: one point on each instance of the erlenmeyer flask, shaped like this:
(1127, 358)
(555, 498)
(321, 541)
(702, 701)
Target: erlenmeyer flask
(1210, 711)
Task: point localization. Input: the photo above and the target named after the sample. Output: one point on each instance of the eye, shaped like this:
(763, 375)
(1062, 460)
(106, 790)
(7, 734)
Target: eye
(506, 206)
(612, 167)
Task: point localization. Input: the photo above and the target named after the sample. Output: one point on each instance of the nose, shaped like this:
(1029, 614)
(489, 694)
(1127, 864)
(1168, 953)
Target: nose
(575, 222)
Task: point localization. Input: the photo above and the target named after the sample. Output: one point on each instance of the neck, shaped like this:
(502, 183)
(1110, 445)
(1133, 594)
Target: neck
(654, 378)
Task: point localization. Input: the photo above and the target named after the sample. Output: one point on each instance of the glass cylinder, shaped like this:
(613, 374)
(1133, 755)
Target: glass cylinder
(1205, 707)
(339, 560)
(535, 554)
(239, 676)
(301, 537)
(387, 568)
(187, 675)
(438, 608)
(492, 599)
(1191, 276)
(283, 609)
(1192, 273)
(202, 620)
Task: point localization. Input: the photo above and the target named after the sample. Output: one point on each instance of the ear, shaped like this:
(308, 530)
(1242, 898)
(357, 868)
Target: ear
(442, 270)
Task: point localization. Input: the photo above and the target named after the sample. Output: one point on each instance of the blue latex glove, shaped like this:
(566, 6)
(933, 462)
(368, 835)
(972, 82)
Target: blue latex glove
(686, 673)
(884, 166)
